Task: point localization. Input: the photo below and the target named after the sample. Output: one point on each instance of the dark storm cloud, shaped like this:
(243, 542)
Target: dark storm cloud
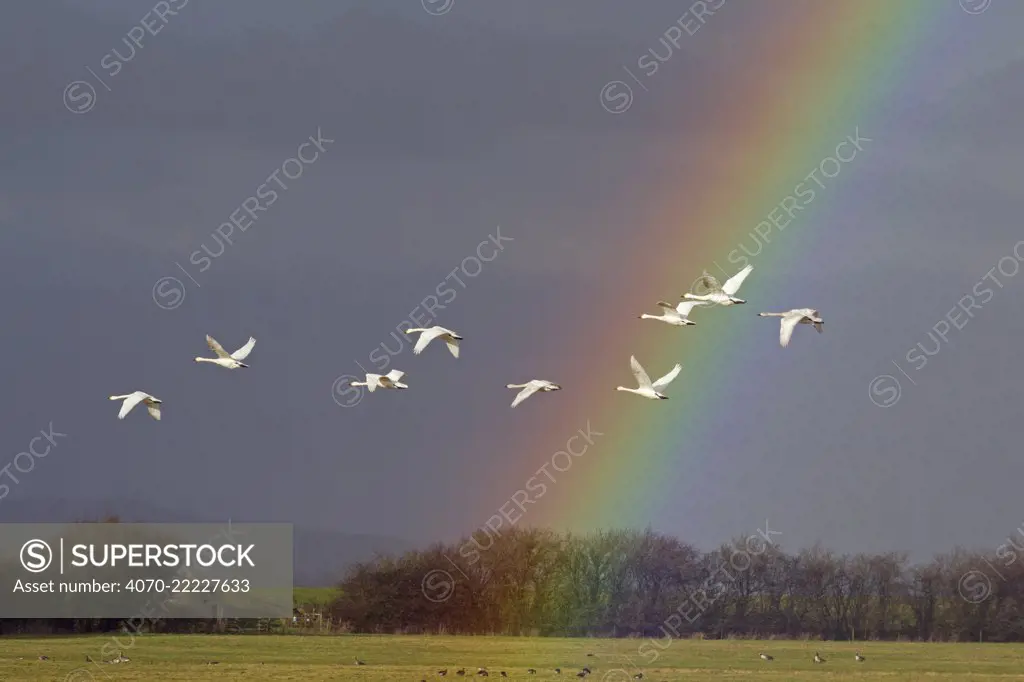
(444, 128)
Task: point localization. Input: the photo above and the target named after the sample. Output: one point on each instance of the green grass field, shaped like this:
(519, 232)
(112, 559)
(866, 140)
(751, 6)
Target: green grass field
(255, 657)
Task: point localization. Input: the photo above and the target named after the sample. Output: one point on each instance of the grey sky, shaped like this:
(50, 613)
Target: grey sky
(445, 127)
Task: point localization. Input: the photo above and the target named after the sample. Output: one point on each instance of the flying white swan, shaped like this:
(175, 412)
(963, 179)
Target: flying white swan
(225, 359)
(133, 399)
(392, 379)
(791, 318)
(677, 315)
(646, 388)
(428, 335)
(531, 387)
(722, 294)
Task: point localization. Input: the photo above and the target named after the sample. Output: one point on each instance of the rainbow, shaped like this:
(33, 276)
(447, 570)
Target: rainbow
(815, 73)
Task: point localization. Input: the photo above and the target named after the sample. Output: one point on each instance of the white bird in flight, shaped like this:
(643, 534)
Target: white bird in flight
(791, 318)
(392, 379)
(133, 399)
(428, 335)
(531, 387)
(722, 294)
(646, 388)
(676, 315)
(225, 359)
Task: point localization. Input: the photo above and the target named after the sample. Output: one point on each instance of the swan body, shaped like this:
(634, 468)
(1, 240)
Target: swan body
(791, 318)
(857, 657)
(225, 359)
(766, 657)
(531, 387)
(721, 294)
(647, 388)
(818, 658)
(429, 334)
(392, 379)
(133, 399)
(675, 315)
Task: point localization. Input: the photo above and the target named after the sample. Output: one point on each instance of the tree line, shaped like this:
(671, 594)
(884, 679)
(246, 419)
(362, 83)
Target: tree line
(650, 585)
(622, 583)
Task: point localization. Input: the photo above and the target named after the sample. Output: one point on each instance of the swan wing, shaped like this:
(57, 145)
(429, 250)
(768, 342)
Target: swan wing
(641, 375)
(668, 307)
(216, 347)
(708, 281)
(395, 375)
(789, 323)
(130, 402)
(685, 307)
(732, 285)
(426, 337)
(453, 346)
(243, 352)
(154, 410)
(667, 379)
(531, 388)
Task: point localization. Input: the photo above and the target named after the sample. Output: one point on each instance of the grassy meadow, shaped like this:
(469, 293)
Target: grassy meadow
(393, 658)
